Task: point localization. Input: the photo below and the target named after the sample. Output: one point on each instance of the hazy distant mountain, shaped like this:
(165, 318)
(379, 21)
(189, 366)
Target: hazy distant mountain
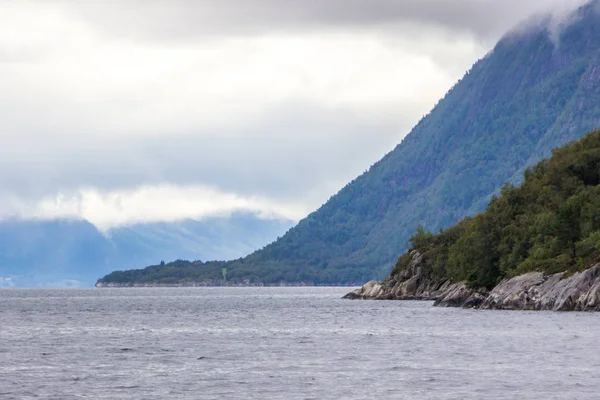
(527, 96)
(75, 253)
(209, 239)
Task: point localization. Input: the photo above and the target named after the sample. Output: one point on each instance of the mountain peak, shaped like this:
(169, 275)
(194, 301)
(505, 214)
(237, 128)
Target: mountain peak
(554, 24)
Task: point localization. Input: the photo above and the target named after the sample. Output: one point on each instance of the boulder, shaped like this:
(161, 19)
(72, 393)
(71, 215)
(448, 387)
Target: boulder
(372, 290)
(455, 295)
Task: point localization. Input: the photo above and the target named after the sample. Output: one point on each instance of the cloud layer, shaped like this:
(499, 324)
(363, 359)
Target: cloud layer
(179, 19)
(168, 203)
(130, 111)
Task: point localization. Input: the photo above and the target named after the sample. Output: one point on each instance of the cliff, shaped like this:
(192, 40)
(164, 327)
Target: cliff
(531, 291)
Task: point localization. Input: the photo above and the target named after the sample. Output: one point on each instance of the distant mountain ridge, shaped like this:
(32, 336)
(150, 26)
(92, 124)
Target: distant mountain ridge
(527, 96)
(74, 253)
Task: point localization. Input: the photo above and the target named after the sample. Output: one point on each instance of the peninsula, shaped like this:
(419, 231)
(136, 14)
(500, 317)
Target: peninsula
(536, 247)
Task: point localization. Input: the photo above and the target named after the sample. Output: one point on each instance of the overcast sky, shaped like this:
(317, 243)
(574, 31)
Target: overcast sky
(150, 110)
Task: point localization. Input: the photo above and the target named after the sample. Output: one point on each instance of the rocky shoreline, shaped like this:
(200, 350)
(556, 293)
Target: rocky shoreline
(532, 291)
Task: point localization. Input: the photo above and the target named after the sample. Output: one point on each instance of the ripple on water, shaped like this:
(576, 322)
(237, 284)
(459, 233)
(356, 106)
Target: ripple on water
(284, 343)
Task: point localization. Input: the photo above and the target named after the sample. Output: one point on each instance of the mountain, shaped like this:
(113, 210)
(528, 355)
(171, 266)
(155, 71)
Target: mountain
(74, 253)
(537, 89)
(209, 239)
(51, 253)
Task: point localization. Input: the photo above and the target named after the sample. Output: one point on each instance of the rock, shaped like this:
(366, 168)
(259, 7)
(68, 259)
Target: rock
(409, 287)
(475, 300)
(591, 300)
(576, 293)
(372, 290)
(518, 293)
(535, 291)
(354, 295)
(455, 296)
(408, 284)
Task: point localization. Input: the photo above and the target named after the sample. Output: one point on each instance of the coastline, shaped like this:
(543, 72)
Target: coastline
(210, 284)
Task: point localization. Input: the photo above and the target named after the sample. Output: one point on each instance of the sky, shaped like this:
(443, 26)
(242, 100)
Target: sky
(130, 111)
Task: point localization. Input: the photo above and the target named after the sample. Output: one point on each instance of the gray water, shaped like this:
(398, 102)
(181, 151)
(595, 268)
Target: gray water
(284, 343)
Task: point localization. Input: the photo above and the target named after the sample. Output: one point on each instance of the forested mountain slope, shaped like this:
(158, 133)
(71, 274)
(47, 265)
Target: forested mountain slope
(527, 96)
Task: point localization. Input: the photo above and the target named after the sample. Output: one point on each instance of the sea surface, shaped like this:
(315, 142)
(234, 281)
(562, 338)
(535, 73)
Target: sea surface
(284, 343)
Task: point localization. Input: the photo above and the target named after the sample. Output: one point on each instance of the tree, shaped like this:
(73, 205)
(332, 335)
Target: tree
(569, 223)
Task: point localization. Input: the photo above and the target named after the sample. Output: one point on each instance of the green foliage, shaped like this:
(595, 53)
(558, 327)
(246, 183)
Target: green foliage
(421, 238)
(550, 224)
(568, 223)
(473, 256)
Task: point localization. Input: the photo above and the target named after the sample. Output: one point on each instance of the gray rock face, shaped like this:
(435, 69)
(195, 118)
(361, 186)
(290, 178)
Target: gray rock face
(460, 295)
(372, 290)
(532, 291)
(409, 284)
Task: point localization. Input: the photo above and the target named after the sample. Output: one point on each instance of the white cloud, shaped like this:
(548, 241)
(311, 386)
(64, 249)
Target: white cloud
(114, 88)
(151, 204)
(177, 20)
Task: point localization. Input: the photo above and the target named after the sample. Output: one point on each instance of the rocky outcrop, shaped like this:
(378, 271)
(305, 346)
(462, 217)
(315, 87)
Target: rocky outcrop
(535, 291)
(460, 295)
(372, 290)
(532, 291)
(410, 284)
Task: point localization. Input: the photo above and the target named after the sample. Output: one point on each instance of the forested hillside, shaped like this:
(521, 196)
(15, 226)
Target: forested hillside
(550, 224)
(529, 95)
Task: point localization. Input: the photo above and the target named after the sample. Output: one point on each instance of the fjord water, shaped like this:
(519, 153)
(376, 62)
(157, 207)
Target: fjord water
(284, 343)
